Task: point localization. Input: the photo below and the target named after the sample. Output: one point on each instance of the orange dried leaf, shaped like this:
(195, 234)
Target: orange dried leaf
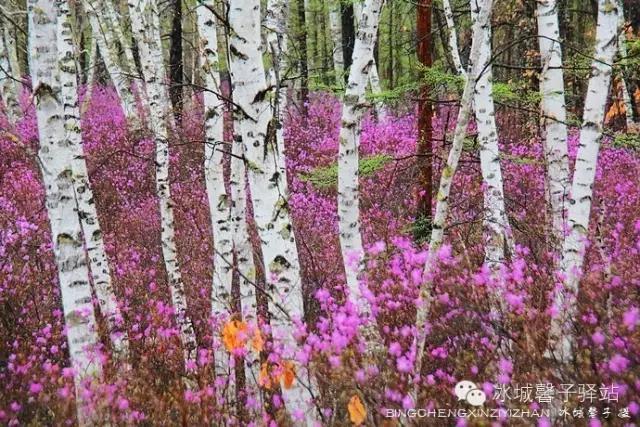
(264, 379)
(234, 335)
(257, 343)
(288, 374)
(357, 411)
(617, 109)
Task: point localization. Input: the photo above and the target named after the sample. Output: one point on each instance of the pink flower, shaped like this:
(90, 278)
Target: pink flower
(123, 404)
(403, 364)
(377, 248)
(598, 338)
(618, 364)
(515, 301)
(631, 318)
(505, 366)
(544, 422)
(35, 388)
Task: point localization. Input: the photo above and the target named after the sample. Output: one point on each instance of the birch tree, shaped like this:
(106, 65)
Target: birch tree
(228, 211)
(105, 35)
(150, 51)
(98, 263)
(348, 156)
(497, 231)
(446, 179)
(622, 50)
(495, 222)
(373, 77)
(553, 114)
(243, 249)
(269, 193)
(219, 201)
(564, 311)
(335, 27)
(66, 231)
(275, 23)
(9, 74)
(453, 38)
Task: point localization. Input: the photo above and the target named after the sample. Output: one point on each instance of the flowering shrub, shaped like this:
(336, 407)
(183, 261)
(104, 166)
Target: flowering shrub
(485, 327)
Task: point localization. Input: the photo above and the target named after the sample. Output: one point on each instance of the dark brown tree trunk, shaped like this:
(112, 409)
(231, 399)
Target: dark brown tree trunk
(348, 34)
(302, 63)
(425, 111)
(175, 60)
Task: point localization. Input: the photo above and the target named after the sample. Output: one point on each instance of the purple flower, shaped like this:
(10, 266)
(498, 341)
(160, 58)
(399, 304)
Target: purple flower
(35, 388)
(618, 364)
(631, 318)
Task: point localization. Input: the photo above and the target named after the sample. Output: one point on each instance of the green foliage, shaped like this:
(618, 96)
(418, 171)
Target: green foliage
(629, 141)
(470, 144)
(421, 229)
(511, 93)
(326, 177)
(504, 92)
(440, 80)
(397, 93)
(521, 160)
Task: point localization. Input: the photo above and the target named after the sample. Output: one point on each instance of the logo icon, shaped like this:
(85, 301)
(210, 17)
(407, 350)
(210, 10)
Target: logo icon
(467, 391)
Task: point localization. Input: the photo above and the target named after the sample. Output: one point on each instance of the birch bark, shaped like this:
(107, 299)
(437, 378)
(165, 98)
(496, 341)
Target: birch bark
(219, 201)
(223, 214)
(66, 233)
(9, 75)
(106, 40)
(243, 250)
(92, 232)
(335, 26)
(276, 37)
(496, 225)
(150, 50)
(561, 337)
(348, 157)
(448, 173)
(553, 114)
(269, 193)
(622, 50)
(453, 38)
(113, 23)
(373, 77)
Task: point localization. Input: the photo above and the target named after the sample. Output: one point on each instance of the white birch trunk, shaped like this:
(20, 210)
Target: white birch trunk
(553, 114)
(335, 26)
(219, 201)
(105, 38)
(268, 183)
(275, 23)
(12, 50)
(92, 232)
(91, 76)
(113, 21)
(150, 50)
(453, 38)
(495, 223)
(622, 50)
(348, 157)
(9, 74)
(66, 233)
(243, 252)
(373, 77)
(565, 301)
(448, 173)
